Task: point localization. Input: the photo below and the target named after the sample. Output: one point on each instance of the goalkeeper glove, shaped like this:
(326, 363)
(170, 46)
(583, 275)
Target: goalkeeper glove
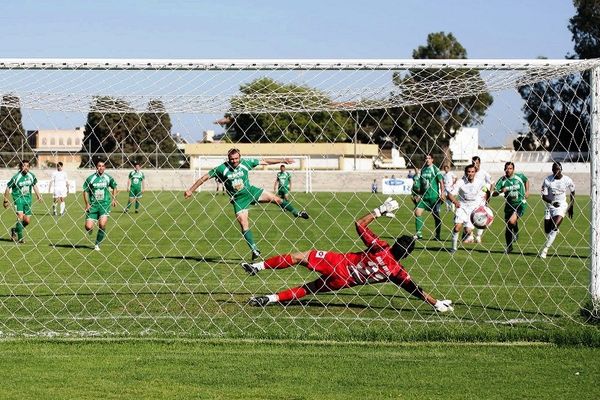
(387, 208)
(443, 306)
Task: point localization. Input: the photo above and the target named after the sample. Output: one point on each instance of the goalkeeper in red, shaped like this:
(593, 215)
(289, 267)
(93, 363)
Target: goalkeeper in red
(234, 175)
(378, 263)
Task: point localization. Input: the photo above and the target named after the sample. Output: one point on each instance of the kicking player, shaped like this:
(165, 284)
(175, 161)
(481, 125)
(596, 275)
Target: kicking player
(234, 175)
(59, 186)
(554, 194)
(20, 186)
(378, 263)
(515, 187)
(135, 187)
(432, 188)
(99, 194)
(466, 197)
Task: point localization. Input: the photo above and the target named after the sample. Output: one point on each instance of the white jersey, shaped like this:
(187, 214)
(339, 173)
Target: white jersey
(556, 189)
(484, 176)
(449, 179)
(469, 193)
(59, 180)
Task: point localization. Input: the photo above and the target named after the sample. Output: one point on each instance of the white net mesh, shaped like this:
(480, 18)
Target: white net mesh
(171, 266)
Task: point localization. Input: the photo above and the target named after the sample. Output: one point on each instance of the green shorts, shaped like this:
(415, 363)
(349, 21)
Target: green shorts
(510, 209)
(23, 206)
(135, 193)
(283, 192)
(242, 200)
(97, 211)
(429, 204)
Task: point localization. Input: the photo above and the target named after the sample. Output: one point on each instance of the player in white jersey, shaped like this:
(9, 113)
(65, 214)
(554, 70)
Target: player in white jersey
(59, 183)
(554, 194)
(466, 196)
(449, 182)
(485, 177)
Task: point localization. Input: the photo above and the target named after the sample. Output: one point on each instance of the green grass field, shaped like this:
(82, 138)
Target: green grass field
(173, 271)
(161, 311)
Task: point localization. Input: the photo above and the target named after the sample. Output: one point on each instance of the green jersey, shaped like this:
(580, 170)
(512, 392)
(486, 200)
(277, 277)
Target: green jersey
(98, 189)
(283, 180)
(515, 188)
(135, 180)
(21, 185)
(429, 179)
(235, 180)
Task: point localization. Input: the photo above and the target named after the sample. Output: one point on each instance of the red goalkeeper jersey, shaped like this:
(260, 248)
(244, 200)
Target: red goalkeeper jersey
(376, 264)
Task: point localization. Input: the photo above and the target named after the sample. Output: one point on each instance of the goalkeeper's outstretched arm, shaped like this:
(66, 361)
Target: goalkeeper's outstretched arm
(188, 193)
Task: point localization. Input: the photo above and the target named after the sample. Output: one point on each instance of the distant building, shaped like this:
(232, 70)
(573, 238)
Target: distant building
(464, 145)
(53, 145)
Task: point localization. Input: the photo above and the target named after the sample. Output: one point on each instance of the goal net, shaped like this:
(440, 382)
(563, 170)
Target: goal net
(168, 263)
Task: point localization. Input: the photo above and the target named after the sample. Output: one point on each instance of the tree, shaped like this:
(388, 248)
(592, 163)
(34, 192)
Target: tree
(12, 134)
(157, 142)
(256, 115)
(116, 133)
(558, 111)
(428, 127)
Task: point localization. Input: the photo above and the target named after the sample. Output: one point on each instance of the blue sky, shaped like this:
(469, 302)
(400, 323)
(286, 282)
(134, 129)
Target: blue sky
(280, 29)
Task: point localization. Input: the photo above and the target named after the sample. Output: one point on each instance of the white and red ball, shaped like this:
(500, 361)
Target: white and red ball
(482, 217)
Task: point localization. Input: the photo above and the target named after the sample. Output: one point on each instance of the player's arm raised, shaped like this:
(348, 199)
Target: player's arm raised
(188, 193)
(271, 161)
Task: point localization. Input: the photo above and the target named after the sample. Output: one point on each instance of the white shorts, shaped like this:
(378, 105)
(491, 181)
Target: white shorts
(60, 193)
(552, 211)
(463, 214)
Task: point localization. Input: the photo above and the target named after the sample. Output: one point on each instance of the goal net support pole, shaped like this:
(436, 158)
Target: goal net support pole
(595, 175)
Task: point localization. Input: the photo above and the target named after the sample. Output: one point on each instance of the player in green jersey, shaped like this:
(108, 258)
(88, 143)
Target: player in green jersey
(430, 196)
(515, 187)
(20, 187)
(135, 187)
(283, 183)
(234, 175)
(99, 194)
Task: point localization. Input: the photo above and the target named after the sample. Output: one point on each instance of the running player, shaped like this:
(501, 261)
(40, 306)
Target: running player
(59, 187)
(99, 195)
(135, 187)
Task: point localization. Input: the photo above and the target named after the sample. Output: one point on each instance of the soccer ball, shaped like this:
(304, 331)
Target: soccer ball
(482, 217)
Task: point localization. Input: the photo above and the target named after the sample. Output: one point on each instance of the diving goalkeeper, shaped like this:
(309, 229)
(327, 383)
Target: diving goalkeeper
(378, 263)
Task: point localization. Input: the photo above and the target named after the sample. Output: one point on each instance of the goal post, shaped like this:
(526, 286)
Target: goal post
(174, 267)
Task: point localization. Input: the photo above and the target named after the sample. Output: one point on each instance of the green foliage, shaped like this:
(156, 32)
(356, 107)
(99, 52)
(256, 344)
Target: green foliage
(559, 110)
(115, 132)
(428, 128)
(12, 134)
(255, 115)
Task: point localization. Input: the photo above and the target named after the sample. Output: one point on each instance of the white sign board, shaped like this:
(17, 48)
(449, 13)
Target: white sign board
(396, 185)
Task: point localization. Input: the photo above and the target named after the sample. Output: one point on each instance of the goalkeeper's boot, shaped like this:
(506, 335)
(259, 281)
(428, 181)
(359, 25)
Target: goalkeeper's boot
(250, 268)
(303, 214)
(258, 301)
(255, 254)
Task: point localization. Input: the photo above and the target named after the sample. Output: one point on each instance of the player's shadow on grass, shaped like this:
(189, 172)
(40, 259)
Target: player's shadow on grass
(71, 246)
(203, 259)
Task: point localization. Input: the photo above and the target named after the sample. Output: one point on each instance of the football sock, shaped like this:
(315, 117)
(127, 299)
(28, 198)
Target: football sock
(438, 225)
(128, 205)
(62, 208)
(100, 236)
(508, 235)
(250, 239)
(19, 228)
(455, 240)
(54, 208)
(137, 205)
(279, 262)
(419, 224)
(287, 206)
(292, 294)
(550, 238)
(479, 233)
